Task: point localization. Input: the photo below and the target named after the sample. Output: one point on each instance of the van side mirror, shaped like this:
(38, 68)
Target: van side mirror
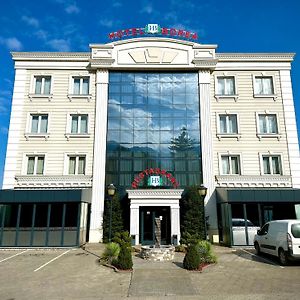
(258, 232)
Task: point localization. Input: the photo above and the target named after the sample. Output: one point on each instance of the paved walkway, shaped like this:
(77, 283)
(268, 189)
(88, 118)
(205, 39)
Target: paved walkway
(76, 274)
(160, 278)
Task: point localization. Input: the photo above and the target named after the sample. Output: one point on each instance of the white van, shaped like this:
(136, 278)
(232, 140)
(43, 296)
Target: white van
(280, 238)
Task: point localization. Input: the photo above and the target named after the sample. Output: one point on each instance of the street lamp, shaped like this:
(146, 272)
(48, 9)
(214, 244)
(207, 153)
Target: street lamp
(111, 190)
(202, 190)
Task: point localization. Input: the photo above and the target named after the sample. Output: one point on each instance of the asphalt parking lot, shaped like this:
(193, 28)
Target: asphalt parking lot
(77, 274)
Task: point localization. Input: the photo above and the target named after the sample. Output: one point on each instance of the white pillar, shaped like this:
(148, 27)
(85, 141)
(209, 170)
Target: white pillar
(98, 190)
(207, 148)
(15, 128)
(175, 222)
(135, 222)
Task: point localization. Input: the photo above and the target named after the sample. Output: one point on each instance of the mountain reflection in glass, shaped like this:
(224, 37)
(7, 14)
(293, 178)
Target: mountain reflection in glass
(153, 122)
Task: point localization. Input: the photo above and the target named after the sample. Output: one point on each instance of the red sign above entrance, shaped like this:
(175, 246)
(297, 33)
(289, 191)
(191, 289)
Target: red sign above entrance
(152, 171)
(153, 29)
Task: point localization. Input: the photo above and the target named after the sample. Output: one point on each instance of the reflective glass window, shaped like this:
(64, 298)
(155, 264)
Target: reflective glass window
(153, 122)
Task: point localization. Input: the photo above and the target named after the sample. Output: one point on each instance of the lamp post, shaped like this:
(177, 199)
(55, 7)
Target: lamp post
(202, 190)
(111, 190)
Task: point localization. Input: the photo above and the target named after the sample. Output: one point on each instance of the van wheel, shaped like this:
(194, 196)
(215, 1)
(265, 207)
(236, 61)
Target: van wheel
(257, 248)
(282, 257)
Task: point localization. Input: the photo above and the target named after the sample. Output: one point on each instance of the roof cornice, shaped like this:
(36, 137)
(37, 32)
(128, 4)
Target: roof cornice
(54, 56)
(286, 57)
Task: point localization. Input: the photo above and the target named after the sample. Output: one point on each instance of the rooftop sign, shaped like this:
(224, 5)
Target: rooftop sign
(153, 29)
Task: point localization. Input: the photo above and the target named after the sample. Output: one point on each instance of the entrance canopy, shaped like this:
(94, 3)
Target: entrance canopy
(257, 195)
(154, 198)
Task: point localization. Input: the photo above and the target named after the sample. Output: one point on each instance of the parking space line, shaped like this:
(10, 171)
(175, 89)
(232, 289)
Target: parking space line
(50, 261)
(265, 259)
(7, 258)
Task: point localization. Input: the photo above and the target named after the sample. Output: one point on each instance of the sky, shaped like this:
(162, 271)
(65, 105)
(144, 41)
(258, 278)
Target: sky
(67, 25)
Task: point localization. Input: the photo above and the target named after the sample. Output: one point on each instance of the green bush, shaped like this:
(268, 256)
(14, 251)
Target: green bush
(123, 238)
(188, 239)
(191, 260)
(124, 260)
(192, 214)
(111, 252)
(180, 248)
(206, 253)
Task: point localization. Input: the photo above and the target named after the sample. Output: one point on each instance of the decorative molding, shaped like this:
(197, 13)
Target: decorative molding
(155, 193)
(40, 96)
(69, 56)
(262, 136)
(234, 97)
(152, 55)
(205, 63)
(221, 136)
(29, 135)
(101, 63)
(48, 181)
(286, 57)
(77, 135)
(246, 181)
(75, 96)
(273, 96)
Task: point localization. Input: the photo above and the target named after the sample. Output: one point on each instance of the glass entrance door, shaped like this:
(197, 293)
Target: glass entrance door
(147, 217)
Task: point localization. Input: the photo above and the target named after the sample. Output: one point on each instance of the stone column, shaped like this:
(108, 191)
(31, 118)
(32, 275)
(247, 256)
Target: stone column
(98, 190)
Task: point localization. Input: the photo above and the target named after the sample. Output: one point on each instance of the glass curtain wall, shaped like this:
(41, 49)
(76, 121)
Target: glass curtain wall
(153, 122)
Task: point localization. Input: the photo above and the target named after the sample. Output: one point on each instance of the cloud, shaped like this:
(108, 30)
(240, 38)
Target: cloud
(106, 23)
(31, 21)
(3, 105)
(3, 130)
(11, 43)
(69, 6)
(72, 9)
(59, 44)
(117, 4)
(148, 9)
(41, 34)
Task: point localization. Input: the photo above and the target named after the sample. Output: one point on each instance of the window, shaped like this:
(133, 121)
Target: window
(268, 124)
(42, 85)
(39, 123)
(228, 124)
(226, 85)
(79, 124)
(35, 164)
(81, 85)
(264, 230)
(271, 164)
(263, 85)
(76, 165)
(230, 164)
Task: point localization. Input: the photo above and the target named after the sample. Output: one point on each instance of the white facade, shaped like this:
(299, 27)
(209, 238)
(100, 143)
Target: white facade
(239, 94)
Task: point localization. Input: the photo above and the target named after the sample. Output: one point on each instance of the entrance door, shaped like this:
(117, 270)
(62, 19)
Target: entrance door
(147, 218)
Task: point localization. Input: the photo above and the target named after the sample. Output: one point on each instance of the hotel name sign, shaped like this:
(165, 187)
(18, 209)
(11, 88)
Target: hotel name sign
(154, 178)
(153, 29)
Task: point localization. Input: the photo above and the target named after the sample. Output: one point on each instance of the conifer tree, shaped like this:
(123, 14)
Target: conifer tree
(182, 143)
(117, 219)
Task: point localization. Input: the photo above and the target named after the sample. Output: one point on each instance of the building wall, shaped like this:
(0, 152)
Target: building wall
(154, 55)
(248, 143)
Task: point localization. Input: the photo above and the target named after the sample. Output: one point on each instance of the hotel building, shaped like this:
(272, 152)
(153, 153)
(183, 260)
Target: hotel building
(150, 110)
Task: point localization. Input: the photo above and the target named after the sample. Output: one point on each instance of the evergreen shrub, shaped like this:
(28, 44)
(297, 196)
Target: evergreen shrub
(191, 260)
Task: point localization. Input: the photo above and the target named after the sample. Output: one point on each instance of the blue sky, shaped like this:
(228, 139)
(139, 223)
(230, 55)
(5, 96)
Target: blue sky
(67, 25)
